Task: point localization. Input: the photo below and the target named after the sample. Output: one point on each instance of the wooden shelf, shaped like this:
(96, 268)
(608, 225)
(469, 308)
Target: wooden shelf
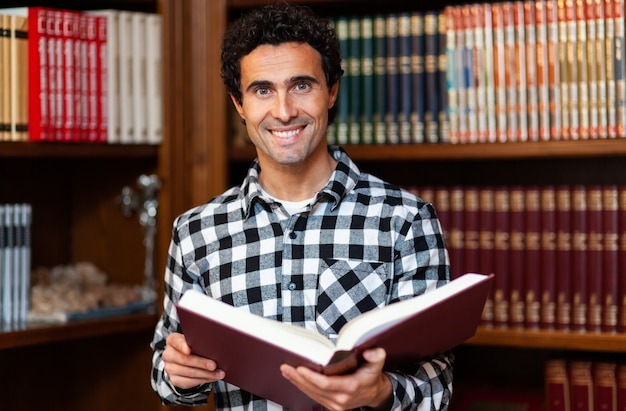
(50, 333)
(558, 340)
(484, 151)
(76, 150)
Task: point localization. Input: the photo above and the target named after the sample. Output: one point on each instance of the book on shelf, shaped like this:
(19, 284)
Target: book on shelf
(621, 304)
(405, 78)
(431, 72)
(450, 313)
(367, 79)
(620, 67)
(563, 258)
(355, 95)
(522, 85)
(580, 288)
(393, 79)
(548, 258)
(532, 68)
(605, 385)
(501, 250)
(380, 78)
(611, 99)
(581, 385)
(583, 79)
(532, 257)
(594, 248)
(517, 263)
(343, 101)
(444, 117)
(557, 385)
(600, 60)
(418, 77)
(610, 257)
(486, 245)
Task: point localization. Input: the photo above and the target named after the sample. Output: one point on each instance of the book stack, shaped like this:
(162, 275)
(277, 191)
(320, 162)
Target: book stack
(558, 252)
(15, 228)
(548, 70)
(393, 89)
(90, 77)
(585, 385)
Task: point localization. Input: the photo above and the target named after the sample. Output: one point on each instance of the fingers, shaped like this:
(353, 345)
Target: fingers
(184, 369)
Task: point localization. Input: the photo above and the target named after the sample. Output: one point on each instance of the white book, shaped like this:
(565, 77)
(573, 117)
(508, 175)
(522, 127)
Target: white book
(138, 68)
(7, 277)
(126, 108)
(154, 78)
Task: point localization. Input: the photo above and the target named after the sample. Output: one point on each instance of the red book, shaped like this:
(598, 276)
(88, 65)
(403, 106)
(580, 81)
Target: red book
(610, 255)
(543, 96)
(517, 256)
(69, 35)
(554, 72)
(621, 387)
(38, 120)
(581, 385)
(501, 296)
(605, 386)
(101, 79)
(486, 245)
(580, 291)
(92, 78)
(456, 244)
(563, 255)
(243, 343)
(471, 229)
(442, 205)
(621, 327)
(595, 272)
(55, 73)
(532, 260)
(548, 257)
(557, 385)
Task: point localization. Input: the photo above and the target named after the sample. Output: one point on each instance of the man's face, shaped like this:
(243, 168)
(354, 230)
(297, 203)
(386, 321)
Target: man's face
(285, 102)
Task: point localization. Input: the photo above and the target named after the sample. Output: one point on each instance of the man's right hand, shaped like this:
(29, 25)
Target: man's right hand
(184, 369)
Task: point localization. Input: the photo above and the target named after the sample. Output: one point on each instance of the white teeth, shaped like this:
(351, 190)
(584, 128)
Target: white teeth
(286, 134)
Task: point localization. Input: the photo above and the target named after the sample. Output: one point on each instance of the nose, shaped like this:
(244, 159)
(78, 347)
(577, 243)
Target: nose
(285, 107)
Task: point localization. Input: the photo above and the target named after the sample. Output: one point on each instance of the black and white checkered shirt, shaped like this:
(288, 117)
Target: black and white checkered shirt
(361, 243)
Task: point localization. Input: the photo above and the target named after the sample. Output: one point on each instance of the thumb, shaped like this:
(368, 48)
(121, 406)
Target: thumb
(375, 358)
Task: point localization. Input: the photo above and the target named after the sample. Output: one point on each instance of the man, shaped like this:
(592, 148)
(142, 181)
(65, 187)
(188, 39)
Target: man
(307, 239)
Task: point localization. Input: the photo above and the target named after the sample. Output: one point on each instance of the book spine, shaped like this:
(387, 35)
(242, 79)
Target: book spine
(69, 36)
(5, 79)
(452, 84)
(557, 385)
(517, 257)
(609, 24)
(548, 258)
(418, 78)
(600, 60)
(592, 72)
(581, 385)
(471, 229)
(138, 80)
(605, 386)
(583, 79)
(532, 259)
(572, 69)
(101, 79)
(501, 257)
(489, 58)
(511, 73)
(621, 387)
(564, 70)
(470, 74)
(354, 68)
(367, 78)
(78, 75)
(126, 109)
(380, 79)
(620, 68)
(38, 120)
(393, 80)
(622, 258)
(610, 254)
(480, 75)
(442, 62)
(580, 292)
(595, 271)
(461, 74)
(499, 71)
(563, 254)
(112, 89)
(532, 69)
(405, 78)
(9, 267)
(521, 80)
(84, 75)
(456, 245)
(431, 108)
(554, 69)
(486, 246)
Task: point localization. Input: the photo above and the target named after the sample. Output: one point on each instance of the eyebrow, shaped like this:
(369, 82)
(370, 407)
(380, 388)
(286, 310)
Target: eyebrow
(291, 80)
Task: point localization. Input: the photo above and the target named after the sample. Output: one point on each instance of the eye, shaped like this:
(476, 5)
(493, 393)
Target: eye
(262, 91)
(302, 86)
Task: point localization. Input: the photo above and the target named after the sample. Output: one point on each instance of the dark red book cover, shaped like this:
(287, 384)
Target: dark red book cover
(56, 77)
(450, 316)
(610, 255)
(548, 258)
(557, 385)
(69, 35)
(501, 296)
(594, 271)
(38, 120)
(581, 385)
(605, 386)
(622, 259)
(517, 256)
(101, 76)
(621, 387)
(563, 255)
(471, 227)
(456, 245)
(580, 288)
(486, 246)
(92, 79)
(442, 205)
(532, 260)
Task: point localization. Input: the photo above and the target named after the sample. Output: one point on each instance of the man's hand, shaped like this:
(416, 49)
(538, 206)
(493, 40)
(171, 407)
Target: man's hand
(184, 369)
(368, 386)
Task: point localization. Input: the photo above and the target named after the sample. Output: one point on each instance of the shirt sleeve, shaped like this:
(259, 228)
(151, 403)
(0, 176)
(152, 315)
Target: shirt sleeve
(176, 282)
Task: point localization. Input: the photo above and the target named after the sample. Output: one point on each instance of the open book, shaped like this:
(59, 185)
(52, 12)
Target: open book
(250, 348)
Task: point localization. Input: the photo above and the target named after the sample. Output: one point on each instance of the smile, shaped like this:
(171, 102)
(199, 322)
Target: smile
(286, 133)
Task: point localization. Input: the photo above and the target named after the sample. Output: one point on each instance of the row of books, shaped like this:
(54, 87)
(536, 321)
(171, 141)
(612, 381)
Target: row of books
(536, 70)
(15, 228)
(558, 252)
(585, 385)
(393, 89)
(71, 76)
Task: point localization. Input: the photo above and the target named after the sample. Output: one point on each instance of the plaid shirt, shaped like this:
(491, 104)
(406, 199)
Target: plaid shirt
(360, 244)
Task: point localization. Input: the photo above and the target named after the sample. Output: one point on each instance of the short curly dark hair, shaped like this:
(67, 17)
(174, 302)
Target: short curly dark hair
(276, 24)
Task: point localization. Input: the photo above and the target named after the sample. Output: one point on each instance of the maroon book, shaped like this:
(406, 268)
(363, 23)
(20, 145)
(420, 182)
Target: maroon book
(563, 254)
(605, 386)
(548, 257)
(622, 259)
(486, 246)
(580, 232)
(501, 257)
(581, 385)
(471, 227)
(251, 348)
(595, 272)
(456, 245)
(621, 387)
(532, 260)
(517, 256)
(557, 385)
(610, 255)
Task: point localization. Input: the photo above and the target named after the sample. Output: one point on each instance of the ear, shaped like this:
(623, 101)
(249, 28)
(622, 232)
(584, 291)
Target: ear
(238, 107)
(334, 90)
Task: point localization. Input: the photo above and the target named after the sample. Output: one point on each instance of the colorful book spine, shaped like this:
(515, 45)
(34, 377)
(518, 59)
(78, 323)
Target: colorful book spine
(573, 132)
(461, 74)
(418, 80)
(38, 114)
(532, 69)
(592, 65)
(452, 85)
(600, 60)
(480, 134)
(611, 99)
(620, 67)
(521, 81)
(583, 103)
(490, 89)
(554, 70)
(543, 83)
(499, 72)
(511, 73)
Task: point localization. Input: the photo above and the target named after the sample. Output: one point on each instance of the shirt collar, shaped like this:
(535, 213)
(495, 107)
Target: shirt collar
(341, 182)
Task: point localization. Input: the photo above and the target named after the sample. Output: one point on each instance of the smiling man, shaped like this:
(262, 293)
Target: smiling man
(307, 239)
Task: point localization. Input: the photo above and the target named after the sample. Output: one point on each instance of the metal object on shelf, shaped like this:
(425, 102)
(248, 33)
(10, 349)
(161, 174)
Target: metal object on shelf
(146, 203)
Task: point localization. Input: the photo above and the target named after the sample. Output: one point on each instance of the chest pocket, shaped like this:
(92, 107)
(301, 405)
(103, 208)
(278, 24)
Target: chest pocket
(347, 288)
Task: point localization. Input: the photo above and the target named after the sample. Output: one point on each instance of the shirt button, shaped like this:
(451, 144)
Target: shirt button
(293, 235)
(291, 286)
